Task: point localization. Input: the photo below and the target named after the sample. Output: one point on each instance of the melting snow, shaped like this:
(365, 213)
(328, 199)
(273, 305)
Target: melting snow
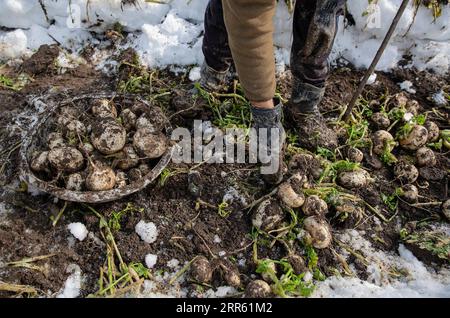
(147, 231)
(78, 230)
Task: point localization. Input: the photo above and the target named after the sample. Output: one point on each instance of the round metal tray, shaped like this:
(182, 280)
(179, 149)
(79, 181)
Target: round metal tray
(30, 143)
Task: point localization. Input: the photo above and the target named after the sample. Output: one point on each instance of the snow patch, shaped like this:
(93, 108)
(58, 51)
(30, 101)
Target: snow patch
(439, 98)
(78, 230)
(150, 260)
(72, 286)
(170, 33)
(407, 86)
(148, 232)
(418, 282)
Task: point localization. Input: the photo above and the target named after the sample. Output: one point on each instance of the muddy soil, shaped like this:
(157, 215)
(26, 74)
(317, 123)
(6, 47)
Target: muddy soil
(188, 224)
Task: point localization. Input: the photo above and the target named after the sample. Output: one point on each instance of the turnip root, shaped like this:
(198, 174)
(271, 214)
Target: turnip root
(128, 119)
(382, 141)
(75, 182)
(201, 270)
(405, 172)
(103, 108)
(357, 178)
(355, 155)
(292, 198)
(129, 158)
(66, 159)
(315, 206)
(55, 140)
(100, 178)
(267, 216)
(148, 144)
(40, 162)
(319, 230)
(121, 179)
(433, 131)
(446, 209)
(108, 136)
(231, 275)
(410, 193)
(298, 264)
(258, 289)
(425, 157)
(381, 120)
(416, 138)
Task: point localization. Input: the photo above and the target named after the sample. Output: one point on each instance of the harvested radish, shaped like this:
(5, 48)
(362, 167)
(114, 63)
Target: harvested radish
(258, 289)
(405, 172)
(354, 179)
(108, 136)
(148, 144)
(40, 162)
(315, 206)
(292, 198)
(128, 119)
(66, 159)
(267, 216)
(55, 140)
(100, 178)
(382, 141)
(298, 263)
(410, 193)
(425, 157)
(355, 155)
(433, 131)
(446, 209)
(415, 138)
(319, 230)
(121, 179)
(201, 270)
(381, 120)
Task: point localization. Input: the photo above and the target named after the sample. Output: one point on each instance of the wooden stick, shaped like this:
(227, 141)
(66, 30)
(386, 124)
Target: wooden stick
(376, 59)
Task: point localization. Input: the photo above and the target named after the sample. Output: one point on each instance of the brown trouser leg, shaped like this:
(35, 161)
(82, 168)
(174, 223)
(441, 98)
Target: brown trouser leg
(250, 32)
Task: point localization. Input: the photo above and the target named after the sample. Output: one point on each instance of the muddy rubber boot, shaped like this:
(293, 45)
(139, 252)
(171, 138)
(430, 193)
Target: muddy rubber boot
(271, 119)
(210, 80)
(303, 113)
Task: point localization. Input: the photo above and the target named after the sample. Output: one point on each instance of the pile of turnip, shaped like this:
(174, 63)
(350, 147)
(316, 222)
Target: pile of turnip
(402, 127)
(270, 214)
(100, 147)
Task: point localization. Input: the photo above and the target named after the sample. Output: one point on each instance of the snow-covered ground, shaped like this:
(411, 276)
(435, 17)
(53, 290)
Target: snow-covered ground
(171, 33)
(417, 280)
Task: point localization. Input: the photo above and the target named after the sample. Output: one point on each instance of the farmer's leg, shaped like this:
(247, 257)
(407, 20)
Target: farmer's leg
(315, 27)
(250, 33)
(215, 48)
